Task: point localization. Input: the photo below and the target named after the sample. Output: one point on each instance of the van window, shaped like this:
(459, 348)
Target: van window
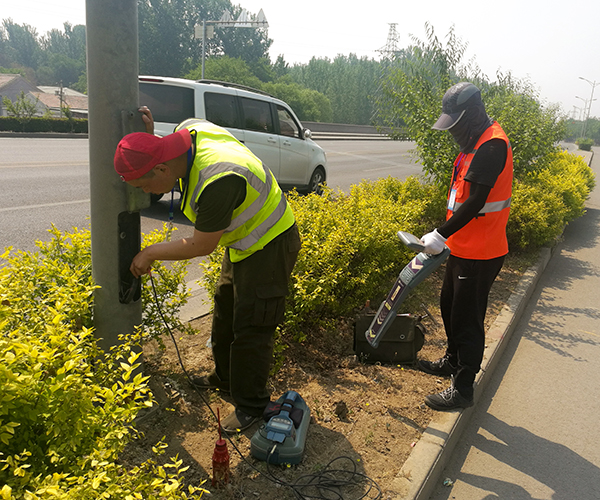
(287, 125)
(257, 115)
(221, 110)
(168, 103)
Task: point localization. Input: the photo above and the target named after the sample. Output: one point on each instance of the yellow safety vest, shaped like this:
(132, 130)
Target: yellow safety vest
(263, 215)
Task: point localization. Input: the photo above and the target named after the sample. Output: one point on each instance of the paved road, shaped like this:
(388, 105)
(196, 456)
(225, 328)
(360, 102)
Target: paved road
(351, 161)
(46, 181)
(534, 433)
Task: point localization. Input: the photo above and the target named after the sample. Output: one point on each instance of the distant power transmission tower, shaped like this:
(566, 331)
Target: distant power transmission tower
(391, 47)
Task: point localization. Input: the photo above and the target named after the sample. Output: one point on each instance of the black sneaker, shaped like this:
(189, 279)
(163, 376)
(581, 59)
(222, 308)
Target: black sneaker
(441, 367)
(209, 382)
(448, 400)
(238, 421)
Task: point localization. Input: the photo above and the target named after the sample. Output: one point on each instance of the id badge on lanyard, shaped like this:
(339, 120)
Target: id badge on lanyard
(452, 199)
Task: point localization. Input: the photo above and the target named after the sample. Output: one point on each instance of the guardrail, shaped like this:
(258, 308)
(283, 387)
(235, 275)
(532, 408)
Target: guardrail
(344, 131)
(331, 131)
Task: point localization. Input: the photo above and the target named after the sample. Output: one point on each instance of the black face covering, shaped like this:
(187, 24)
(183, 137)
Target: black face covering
(469, 128)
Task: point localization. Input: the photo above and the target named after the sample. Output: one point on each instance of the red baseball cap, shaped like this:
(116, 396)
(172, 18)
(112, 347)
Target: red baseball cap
(138, 153)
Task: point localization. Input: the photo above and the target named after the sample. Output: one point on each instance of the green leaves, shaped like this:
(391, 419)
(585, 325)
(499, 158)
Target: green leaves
(546, 200)
(66, 408)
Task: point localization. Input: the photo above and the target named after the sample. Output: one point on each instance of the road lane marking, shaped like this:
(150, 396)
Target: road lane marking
(45, 205)
(45, 164)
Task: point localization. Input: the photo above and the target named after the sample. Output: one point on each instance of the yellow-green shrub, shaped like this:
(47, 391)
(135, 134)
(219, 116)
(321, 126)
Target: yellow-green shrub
(545, 201)
(66, 408)
(350, 251)
(536, 216)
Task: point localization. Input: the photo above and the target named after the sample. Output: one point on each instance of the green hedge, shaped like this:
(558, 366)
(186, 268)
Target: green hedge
(351, 254)
(585, 144)
(66, 409)
(547, 200)
(350, 250)
(38, 124)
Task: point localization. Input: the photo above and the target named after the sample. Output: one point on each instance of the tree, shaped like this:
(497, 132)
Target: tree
(308, 104)
(347, 81)
(251, 45)
(22, 109)
(280, 67)
(22, 44)
(70, 43)
(165, 36)
(167, 43)
(411, 93)
(60, 68)
(226, 69)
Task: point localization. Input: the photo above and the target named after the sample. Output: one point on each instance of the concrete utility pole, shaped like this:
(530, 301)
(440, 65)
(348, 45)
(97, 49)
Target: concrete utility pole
(59, 93)
(112, 72)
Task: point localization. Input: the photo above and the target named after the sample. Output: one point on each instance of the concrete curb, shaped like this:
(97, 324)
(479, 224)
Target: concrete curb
(422, 470)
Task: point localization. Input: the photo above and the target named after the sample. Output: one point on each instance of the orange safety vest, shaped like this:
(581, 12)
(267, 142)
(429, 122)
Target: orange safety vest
(484, 237)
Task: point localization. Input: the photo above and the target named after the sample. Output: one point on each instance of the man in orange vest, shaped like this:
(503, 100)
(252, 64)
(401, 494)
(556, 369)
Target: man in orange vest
(475, 231)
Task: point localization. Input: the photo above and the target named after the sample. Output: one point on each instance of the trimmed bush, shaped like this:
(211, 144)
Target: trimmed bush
(39, 124)
(350, 251)
(585, 144)
(66, 408)
(548, 199)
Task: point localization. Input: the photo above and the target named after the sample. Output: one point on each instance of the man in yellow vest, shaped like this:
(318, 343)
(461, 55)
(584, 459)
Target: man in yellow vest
(475, 231)
(234, 201)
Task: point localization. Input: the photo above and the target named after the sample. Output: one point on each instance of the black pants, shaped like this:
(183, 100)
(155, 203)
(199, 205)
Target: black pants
(463, 303)
(249, 304)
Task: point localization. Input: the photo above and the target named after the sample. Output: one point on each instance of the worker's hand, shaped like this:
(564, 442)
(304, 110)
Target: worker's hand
(434, 242)
(141, 263)
(147, 119)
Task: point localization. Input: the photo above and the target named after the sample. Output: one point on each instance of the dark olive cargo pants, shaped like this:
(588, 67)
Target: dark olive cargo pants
(249, 304)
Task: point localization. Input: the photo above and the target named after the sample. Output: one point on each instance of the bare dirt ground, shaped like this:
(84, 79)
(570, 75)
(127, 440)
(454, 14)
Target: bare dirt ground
(370, 414)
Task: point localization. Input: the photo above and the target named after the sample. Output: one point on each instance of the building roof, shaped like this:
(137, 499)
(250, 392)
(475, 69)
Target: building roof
(53, 100)
(6, 78)
(66, 90)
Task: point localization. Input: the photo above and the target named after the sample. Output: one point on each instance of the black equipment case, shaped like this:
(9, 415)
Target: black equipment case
(399, 345)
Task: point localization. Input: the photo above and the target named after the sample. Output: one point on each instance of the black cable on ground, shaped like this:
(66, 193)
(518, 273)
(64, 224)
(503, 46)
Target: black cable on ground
(325, 485)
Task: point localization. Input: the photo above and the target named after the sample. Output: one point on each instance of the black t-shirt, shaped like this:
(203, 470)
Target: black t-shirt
(218, 201)
(488, 163)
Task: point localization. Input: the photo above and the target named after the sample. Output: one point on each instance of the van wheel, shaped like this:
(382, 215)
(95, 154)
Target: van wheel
(317, 179)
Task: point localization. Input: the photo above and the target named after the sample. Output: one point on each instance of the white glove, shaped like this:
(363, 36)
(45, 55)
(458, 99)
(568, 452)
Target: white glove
(434, 242)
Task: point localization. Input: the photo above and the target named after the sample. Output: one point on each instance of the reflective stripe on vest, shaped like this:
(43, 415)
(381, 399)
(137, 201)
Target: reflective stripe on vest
(488, 208)
(263, 189)
(259, 231)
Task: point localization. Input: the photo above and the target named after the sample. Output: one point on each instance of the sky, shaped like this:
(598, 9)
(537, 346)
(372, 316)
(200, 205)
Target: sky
(550, 43)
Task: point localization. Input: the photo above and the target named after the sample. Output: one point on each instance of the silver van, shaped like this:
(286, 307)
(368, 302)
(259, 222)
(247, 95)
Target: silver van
(266, 125)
